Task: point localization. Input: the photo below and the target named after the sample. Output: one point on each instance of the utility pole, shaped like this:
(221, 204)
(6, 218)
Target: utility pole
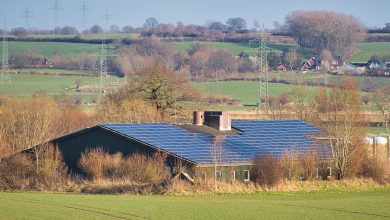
(27, 14)
(56, 7)
(107, 17)
(84, 8)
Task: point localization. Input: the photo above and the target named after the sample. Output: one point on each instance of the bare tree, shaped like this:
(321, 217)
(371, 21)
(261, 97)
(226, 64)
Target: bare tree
(216, 153)
(302, 99)
(325, 30)
(339, 115)
(381, 99)
(290, 56)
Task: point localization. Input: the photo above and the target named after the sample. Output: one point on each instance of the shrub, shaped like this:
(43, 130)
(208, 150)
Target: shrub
(92, 162)
(144, 169)
(376, 169)
(15, 172)
(267, 170)
(51, 171)
(24, 171)
(139, 168)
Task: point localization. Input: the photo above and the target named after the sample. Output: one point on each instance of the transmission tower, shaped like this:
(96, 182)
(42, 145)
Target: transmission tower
(107, 17)
(56, 7)
(27, 14)
(103, 66)
(4, 77)
(263, 77)
(84, 8)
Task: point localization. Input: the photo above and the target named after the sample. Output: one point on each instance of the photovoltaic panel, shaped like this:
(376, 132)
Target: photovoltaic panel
(254, 138)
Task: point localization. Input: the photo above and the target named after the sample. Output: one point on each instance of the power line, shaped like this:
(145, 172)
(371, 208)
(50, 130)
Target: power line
(56, 7)
(107, 17)
(84, 8)
(27, 14)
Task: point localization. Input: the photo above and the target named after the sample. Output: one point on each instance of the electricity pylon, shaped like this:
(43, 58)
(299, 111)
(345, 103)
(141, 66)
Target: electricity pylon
(56, 7)
(261, 53)
(4, 76)
(263, 99)
(84, 8)
(107, 17)
(27, 14)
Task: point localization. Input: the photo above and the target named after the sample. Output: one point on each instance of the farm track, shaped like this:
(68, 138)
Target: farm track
(100, 211)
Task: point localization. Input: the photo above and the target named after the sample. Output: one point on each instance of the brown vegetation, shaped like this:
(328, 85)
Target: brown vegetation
(21, 171)
(136, 168)
(321, 30)
(339, 111)
(267, 170)
(27, 123)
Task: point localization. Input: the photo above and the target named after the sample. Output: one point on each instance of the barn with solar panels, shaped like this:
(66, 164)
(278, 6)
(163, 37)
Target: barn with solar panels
(212, 139)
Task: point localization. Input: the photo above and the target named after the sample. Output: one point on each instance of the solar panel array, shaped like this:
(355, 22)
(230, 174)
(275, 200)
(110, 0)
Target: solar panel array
(254, 138)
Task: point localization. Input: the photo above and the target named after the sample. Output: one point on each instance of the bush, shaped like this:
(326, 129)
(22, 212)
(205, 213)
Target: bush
(376, 169)
(50, 171)
(15, 172)
(267, 170)
(139, 168)
(144, 169)
(24, 171)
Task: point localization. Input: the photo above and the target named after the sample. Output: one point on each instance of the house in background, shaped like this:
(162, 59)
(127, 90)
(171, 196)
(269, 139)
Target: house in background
(212, 140)
(319, 64)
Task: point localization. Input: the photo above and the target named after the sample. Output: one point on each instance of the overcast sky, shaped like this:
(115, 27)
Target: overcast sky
(134, 12)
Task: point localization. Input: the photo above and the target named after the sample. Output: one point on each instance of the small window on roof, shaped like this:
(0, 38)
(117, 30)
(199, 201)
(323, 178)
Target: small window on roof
(246, 175)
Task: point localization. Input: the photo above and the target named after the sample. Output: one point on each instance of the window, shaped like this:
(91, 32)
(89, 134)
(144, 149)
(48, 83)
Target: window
(246, 175)
(330, 172)
(233, 175)
(218, 174)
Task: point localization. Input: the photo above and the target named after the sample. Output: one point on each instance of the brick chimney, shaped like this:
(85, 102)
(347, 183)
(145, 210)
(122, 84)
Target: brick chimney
(218, 119)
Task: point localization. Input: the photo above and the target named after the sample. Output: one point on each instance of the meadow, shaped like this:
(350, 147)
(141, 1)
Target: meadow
(87, 36)
(47, 49)
(331, 204)
(27, 85)
(244, 91)
(239, 47)
(366, 50)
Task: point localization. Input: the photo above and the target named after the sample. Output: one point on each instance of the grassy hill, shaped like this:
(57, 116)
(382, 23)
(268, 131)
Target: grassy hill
(371, 204)
(238, 47)
(47, 49)
(27, 85)
(367, 50)
(245, 91)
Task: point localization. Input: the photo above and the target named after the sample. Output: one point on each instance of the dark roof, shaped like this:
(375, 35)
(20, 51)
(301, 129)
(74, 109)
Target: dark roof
(250, 138)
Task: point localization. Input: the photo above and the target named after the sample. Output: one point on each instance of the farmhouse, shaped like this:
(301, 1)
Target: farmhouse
(319, 64)
(212, 139)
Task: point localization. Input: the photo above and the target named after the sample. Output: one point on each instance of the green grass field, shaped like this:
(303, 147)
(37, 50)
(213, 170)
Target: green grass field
(245, 91)
(371, 204)
(377, 130)
(26, 85)
(53, 71)
(367, 50)
(47, 49)
(87, 36)
(237, 48)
